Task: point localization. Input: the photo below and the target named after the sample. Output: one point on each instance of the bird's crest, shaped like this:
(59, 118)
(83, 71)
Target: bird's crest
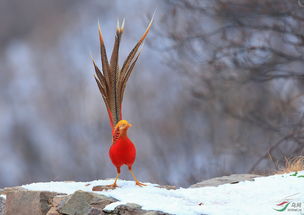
(112, 80)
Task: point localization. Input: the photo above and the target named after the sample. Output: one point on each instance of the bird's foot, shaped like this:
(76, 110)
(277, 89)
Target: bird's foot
(114, 185)
(138, 183)
(105, 187)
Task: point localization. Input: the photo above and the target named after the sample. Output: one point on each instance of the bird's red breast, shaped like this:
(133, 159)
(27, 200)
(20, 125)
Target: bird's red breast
(123, 152)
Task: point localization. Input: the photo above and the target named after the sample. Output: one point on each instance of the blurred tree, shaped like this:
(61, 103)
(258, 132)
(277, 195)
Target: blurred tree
(244, 62)
(231, 95)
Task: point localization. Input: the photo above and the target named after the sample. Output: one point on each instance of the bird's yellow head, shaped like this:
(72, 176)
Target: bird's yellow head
(122, 125)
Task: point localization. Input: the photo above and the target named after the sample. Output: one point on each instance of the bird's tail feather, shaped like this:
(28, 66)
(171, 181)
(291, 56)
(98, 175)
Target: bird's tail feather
(112, 80)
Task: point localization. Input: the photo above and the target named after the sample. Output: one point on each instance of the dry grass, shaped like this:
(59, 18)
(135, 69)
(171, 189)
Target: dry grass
(292, 165)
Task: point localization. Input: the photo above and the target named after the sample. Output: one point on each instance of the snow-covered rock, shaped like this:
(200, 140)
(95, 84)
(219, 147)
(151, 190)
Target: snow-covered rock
(28, 202)
(85, 203)
(263, 196)
(231, 179)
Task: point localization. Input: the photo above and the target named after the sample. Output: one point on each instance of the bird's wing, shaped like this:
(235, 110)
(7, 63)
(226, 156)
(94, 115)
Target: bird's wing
(115, 135)
(112, 80)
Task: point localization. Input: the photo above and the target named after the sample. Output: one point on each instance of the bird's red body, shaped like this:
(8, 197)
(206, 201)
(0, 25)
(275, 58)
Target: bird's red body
(122, 152)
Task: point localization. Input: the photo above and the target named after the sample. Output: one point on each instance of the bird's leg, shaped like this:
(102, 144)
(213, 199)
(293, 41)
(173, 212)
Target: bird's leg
(116, 178)
(110, 186)
(114, 184)
(135, 179)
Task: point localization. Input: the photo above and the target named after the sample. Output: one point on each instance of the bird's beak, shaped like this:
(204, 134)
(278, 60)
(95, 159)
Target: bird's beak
(130, 125)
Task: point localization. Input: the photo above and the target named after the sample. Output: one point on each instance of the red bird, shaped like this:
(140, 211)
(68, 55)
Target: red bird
(111, 83)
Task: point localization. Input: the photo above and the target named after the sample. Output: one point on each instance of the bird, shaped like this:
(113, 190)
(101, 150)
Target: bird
(111, 81)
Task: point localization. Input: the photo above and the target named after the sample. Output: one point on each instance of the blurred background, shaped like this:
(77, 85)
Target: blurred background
(217, 90)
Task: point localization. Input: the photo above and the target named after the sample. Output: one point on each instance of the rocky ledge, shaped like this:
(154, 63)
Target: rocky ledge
(19, 201)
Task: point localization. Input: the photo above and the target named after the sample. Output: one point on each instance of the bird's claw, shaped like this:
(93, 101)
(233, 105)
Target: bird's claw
(112, 185)
(140, 184)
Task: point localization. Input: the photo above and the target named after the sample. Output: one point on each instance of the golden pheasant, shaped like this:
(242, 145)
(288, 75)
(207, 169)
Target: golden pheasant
(112, 83)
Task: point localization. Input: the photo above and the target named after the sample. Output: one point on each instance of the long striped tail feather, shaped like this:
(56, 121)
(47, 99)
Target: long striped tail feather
(112, 80)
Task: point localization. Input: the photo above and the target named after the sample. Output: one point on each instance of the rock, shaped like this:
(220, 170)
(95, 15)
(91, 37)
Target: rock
(84, 203)
(53, 211)
(155, 213)
(102, 188)
(167, 187)
(56, 201)
(2, 205)
(11, 189)
(231, 179)
(24, 202)
(88, 203)
(132, 209)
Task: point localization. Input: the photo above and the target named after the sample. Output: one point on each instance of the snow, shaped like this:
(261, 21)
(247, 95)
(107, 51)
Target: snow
(3, 196)
(249, 197)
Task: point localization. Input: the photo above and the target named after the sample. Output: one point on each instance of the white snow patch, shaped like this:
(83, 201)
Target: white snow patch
(112, 206)
(250, 197)
(3, 196)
